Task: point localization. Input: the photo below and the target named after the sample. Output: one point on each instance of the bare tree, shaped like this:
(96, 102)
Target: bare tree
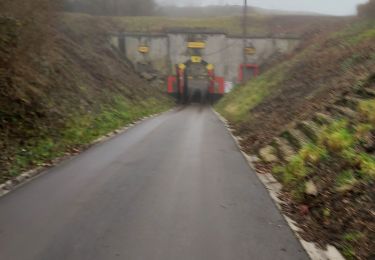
(111, 7)
(367, 10)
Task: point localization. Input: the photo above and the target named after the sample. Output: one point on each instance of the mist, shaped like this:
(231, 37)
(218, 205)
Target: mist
(331, 7)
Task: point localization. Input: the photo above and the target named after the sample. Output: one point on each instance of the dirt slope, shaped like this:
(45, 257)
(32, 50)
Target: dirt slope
(63, 89)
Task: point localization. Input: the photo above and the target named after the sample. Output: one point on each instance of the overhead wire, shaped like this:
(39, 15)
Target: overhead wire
(221, 50)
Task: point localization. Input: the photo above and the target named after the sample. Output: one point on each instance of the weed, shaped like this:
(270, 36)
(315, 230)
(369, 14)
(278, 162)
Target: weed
(84, 129)
(336, 137)
(345, 181)
(350, 156)
(367, 165)
(354, 236)
(312, 153)
(278, 172)
(351, 61)
(348, 241)
(366, 34)
(293, 171)
(363, 130)
(366, 109)
(35, 154)
(350, 35)
(298, 192)
(326, 212)
(348, 251)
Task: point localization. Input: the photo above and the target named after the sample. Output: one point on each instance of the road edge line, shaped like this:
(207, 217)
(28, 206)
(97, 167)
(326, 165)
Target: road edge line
(274, 187)
(32, 174)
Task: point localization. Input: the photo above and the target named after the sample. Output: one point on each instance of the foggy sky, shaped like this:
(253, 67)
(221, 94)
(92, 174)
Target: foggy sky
(334, 7)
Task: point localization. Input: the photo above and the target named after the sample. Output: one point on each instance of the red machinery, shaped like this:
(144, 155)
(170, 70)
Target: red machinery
(188, 80)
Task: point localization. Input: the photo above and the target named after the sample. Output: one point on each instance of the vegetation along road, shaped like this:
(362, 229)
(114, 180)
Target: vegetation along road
(173, 187)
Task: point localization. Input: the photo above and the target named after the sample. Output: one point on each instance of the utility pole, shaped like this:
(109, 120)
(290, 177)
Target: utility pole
(244, 27)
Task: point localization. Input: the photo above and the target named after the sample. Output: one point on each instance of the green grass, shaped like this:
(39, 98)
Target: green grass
(293, 176)
(237, 104)
(356, 33)
(84, 129)
(337, 137)
(292, 172)
(353, 236)
(352, 61)
(347, 247)
(337, 142)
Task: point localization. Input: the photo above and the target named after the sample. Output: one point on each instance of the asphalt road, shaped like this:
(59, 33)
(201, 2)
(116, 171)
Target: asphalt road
(172, 188)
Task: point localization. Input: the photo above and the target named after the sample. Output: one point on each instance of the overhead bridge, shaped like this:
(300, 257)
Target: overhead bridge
(200, 64)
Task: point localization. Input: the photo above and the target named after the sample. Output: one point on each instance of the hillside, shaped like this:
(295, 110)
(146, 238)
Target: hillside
(310, 119)
(305, 81)
(63, 87)
(219, 11)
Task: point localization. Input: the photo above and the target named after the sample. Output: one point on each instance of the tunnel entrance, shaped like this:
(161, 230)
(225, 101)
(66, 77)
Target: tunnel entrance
(197, 82)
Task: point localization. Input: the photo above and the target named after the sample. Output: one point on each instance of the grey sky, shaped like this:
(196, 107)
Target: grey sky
(335, 7)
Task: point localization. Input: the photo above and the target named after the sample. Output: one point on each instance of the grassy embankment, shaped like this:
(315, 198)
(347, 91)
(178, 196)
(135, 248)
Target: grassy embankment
(328, 184)
(63, 88)
(303, 82)
(80, 130)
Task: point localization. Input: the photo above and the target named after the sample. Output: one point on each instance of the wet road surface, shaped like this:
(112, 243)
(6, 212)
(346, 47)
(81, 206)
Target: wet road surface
(174, 187)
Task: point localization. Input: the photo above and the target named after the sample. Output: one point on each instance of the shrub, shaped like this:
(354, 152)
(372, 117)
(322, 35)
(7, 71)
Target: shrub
(114, 8)
(367, 10)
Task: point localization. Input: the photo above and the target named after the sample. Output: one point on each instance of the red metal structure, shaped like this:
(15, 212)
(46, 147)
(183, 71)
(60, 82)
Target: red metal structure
(247, 71)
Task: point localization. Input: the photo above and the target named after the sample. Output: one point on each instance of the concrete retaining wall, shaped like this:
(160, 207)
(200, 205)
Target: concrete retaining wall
(225, 52)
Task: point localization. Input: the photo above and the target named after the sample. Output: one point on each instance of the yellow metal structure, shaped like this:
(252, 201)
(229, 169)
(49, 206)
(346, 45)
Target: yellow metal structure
(196, 59)
(210, 67)
(144, 49)
(196, 45)
(181, 66)
(250, 50)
